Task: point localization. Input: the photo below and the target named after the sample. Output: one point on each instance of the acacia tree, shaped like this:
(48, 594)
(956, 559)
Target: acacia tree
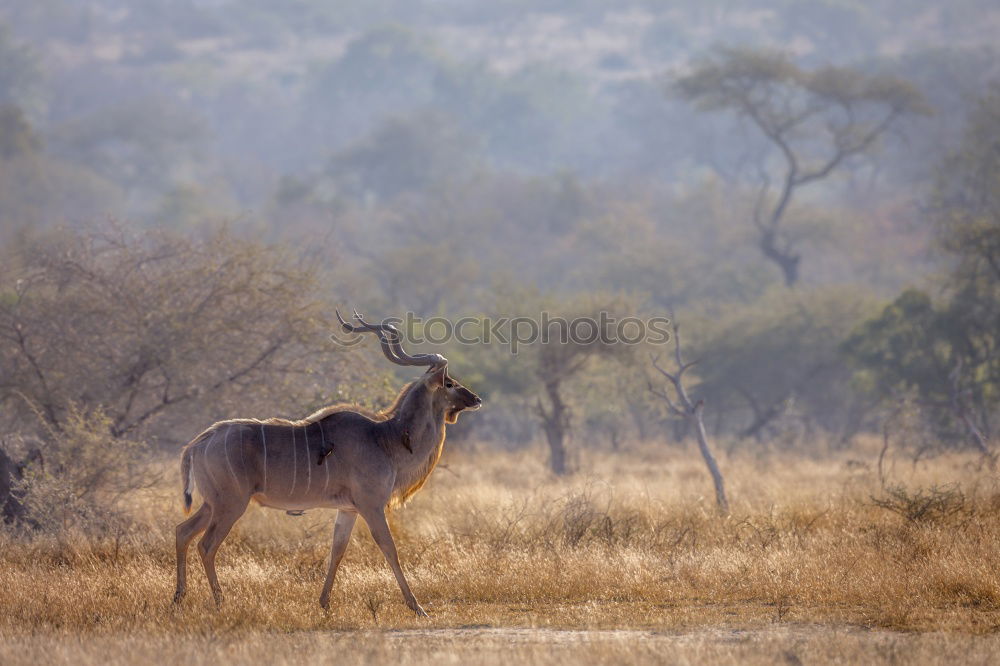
(557, 364)
(815, 120)
(557, 344)
(558, 360)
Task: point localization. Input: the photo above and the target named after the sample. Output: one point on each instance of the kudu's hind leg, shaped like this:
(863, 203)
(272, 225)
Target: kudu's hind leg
(223, 519)
(186, 532)
(383, 537)
(341, 537)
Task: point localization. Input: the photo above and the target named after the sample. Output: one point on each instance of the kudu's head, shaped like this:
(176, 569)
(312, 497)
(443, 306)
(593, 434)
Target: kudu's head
(455, 397)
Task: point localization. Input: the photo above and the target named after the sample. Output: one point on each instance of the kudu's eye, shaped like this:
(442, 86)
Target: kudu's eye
(449, 385)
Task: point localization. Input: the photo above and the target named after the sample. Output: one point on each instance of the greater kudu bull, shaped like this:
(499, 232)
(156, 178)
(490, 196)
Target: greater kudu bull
(341, 457)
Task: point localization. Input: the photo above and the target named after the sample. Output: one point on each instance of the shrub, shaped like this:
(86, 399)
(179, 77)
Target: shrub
(82, 476)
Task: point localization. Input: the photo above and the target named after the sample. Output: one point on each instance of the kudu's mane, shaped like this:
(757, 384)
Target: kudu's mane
(381, 415)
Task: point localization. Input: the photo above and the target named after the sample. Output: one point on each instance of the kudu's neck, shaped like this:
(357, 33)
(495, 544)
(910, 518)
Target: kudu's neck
(417, 426)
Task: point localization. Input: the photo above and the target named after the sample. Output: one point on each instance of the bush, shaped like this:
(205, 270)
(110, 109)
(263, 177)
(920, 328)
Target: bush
(83, 474)
(933, 504)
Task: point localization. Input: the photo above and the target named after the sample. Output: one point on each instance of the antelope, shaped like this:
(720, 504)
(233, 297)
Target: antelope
(341, 457)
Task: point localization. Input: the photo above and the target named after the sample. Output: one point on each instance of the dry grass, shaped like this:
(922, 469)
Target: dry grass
(633, 542)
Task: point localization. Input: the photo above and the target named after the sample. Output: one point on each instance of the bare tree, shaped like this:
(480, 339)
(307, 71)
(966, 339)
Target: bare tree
(815, 120)
(691, 411)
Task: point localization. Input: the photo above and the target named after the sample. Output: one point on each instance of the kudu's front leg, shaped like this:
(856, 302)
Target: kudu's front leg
(383, 537)
(342, 529)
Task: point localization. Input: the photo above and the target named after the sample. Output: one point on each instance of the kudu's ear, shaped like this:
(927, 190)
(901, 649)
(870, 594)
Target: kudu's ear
(435, 377)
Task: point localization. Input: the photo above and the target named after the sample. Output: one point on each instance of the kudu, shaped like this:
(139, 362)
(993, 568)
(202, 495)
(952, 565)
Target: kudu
(341, 457)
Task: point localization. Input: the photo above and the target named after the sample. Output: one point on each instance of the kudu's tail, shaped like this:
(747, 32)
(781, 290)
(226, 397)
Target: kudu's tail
(187, 477)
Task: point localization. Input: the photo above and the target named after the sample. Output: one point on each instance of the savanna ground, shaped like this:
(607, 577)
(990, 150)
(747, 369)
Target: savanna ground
(626, 560)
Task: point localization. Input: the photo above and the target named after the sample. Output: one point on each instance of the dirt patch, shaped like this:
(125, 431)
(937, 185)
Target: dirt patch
(788, 644)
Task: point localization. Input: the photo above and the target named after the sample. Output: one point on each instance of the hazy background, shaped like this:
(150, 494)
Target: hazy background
(187, 188)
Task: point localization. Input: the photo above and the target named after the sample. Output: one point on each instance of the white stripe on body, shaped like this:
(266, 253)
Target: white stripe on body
(229, 462)
(309, 469)
(326, 458)
(243, 458)
(326, 466)
(204, 458)
(263, 439)
(295, 465)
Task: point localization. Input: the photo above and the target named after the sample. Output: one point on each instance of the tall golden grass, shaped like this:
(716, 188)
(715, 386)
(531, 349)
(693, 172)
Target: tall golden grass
(632, 541)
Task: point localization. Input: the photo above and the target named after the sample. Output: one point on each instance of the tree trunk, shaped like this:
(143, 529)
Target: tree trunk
(639, 419)
(761, 419)
(11, 509)
(788, 262)
(706, 454)
(555, 421)
(556, 438)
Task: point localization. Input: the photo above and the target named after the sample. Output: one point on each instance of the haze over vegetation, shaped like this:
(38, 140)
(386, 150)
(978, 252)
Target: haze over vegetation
(810, 188)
